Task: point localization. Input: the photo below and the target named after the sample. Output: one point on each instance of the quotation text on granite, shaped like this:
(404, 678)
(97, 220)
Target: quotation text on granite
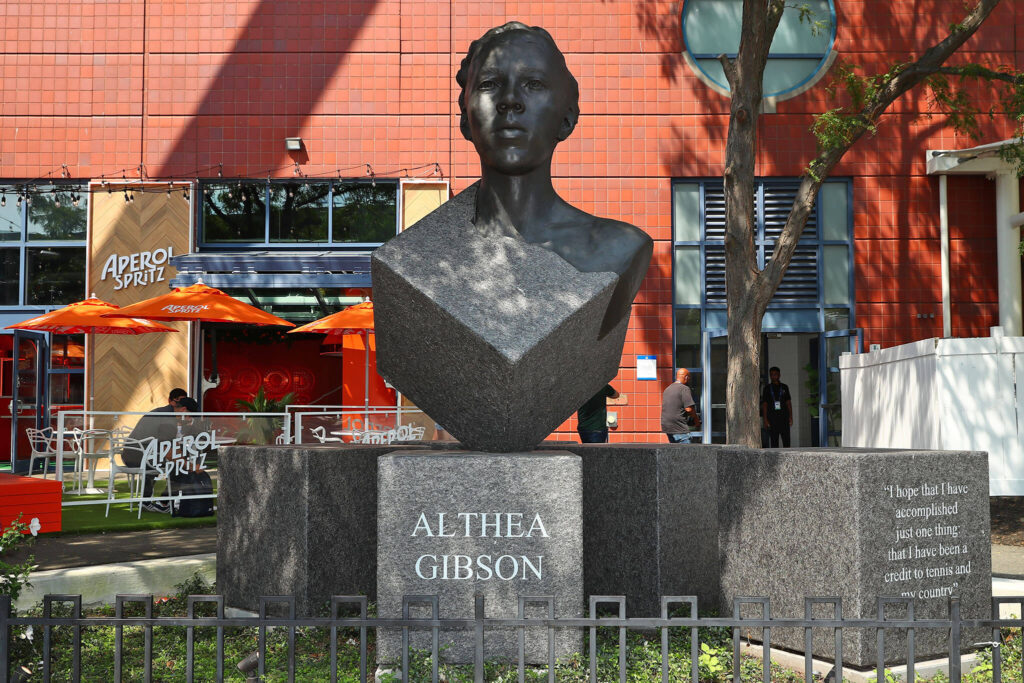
(927, 549)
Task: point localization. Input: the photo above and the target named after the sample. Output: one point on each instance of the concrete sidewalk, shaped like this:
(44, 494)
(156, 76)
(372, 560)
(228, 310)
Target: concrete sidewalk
(63, 552)
(1008, 561)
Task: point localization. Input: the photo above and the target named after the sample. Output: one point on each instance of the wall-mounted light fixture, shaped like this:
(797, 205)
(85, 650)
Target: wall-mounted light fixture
(293, 144)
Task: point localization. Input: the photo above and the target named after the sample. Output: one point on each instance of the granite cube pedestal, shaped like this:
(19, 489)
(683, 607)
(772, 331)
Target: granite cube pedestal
(495, 338)
(462, 523)
(857, 524)
(297, 520)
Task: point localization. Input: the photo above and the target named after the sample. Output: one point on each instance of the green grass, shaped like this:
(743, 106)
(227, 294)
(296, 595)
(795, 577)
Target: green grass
(88, 519)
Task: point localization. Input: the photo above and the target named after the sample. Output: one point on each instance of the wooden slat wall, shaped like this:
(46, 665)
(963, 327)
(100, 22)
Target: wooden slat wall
(419, 199)
(135, 372)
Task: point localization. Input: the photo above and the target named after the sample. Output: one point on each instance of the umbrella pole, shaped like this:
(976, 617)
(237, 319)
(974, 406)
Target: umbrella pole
(366, 379)
(213, 354)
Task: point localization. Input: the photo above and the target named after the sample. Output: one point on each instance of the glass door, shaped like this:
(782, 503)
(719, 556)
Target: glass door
(28, 406)
(833, 344)
(714, 357)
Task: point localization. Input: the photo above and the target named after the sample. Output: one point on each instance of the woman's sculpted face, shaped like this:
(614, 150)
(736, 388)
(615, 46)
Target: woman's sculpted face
(517, 104)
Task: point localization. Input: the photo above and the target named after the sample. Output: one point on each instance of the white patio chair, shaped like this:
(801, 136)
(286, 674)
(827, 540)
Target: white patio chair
(91, 446)
(44, 447)
(136, 475)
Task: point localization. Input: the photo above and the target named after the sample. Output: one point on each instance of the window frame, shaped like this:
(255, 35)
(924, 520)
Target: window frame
(202, 244)
(24, 243)
(712, 314)
(825, 61)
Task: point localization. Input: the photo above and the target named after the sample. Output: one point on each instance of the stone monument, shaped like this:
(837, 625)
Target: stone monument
(499, 314)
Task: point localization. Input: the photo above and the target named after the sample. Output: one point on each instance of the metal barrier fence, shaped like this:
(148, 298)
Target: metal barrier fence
(479, 625)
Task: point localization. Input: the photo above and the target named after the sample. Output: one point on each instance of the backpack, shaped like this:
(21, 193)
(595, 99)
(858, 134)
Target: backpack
(193, 484)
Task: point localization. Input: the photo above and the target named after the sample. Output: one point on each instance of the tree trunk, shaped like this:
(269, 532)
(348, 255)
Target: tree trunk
(746, 298)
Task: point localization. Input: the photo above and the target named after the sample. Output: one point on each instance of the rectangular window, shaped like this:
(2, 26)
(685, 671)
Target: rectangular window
(43, 230)
(56, 214)
(54, 276)
(10, 221)
(688, 338)
(234, 212)
(364, 212)
(9, 271)
(298, 213)
(686, 212)
(836, 274)
(687, 276)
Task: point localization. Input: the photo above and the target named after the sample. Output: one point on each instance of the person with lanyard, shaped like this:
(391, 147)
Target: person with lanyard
(592, 417)
(777, 409)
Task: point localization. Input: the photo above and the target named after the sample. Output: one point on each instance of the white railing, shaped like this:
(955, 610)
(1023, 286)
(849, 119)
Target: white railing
(361, 425)
(217, 429)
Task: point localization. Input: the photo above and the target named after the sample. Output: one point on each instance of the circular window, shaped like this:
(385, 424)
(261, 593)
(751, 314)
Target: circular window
(800, 53)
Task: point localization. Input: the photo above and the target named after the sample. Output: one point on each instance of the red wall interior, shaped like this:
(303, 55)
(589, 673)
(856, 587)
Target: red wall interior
(280, 365)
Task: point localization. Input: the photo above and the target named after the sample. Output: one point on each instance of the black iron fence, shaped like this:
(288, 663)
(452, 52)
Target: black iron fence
(269, 619)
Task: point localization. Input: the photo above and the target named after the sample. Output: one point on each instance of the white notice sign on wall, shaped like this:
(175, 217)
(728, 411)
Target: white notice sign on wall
(647, 367)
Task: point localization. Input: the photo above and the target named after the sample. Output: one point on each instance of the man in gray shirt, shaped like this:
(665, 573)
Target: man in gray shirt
(676, 403)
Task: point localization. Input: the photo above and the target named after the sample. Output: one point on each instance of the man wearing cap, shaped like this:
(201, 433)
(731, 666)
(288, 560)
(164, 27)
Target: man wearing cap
(161, 425)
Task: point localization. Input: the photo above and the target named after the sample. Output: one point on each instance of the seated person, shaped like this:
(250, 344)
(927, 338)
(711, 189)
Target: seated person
(160, 424)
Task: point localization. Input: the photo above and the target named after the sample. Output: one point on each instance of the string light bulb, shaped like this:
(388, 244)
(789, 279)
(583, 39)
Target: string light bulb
(3, 199)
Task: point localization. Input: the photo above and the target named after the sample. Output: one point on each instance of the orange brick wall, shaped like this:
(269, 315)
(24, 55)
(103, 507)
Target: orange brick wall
(181, 85)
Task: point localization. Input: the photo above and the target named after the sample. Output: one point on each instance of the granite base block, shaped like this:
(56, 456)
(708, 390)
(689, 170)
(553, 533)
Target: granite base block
(458, 524)
(297, 520)
(857, 524)
(650, 523)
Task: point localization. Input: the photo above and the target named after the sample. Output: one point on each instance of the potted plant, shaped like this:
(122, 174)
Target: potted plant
(261, 430)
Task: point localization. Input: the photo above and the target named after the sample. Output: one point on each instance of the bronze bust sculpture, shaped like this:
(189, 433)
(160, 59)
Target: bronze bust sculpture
(518, 101)
(506, 308)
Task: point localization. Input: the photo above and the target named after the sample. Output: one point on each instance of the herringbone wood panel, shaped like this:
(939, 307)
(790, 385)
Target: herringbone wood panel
(131, 373)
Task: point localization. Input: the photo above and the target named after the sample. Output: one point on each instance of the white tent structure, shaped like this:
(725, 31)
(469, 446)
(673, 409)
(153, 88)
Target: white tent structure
(944, 394)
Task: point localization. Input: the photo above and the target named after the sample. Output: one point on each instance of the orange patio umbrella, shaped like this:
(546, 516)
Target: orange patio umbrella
(358, 317)
(354, 320)
(85, 317)
(199, 302)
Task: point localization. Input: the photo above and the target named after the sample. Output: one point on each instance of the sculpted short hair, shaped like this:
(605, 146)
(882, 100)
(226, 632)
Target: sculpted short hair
(462, 76)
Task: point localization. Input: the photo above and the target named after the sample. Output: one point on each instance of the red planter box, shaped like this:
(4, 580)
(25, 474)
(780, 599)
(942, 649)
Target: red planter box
(38, 498)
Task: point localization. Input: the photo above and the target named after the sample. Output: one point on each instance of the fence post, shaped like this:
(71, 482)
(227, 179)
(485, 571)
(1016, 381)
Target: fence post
(954, 640)
(5, 634)
(478, 640)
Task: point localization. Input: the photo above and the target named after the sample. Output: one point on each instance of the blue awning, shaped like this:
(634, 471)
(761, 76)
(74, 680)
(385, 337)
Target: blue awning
(273, 269)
